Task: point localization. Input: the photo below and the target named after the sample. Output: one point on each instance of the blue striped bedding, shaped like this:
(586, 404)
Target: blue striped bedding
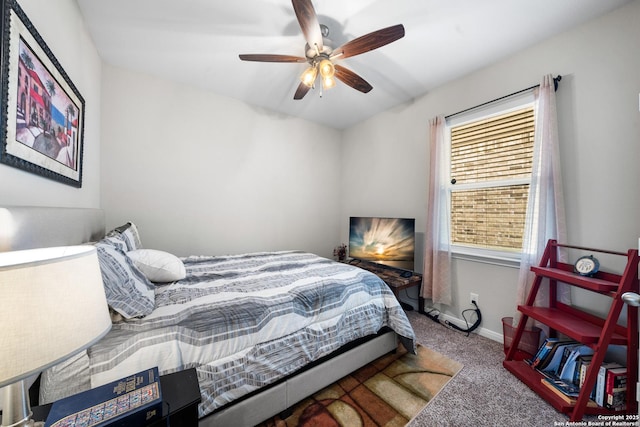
(246, 321)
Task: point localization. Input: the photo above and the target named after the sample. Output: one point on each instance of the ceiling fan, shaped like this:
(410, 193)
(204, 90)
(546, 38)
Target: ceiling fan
(321, 58)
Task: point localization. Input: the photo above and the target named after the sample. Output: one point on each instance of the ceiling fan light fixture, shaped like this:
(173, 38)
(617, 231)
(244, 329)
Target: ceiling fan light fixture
(327, 70)
(319, 52)
(309, 76)
(328, 82)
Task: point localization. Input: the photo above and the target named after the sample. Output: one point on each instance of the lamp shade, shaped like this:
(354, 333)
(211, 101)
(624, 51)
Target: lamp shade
(327, 70)
(309, 76)
(52, 305)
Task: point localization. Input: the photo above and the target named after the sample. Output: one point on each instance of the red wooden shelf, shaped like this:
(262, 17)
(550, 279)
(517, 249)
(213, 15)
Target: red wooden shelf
(570, 325)
(533, 379)
(590, 283)
(584, 327)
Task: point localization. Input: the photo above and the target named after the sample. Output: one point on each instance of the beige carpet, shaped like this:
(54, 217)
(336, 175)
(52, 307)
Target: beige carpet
(388, 392)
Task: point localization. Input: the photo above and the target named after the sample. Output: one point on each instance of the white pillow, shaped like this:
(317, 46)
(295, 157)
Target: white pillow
(158, 266)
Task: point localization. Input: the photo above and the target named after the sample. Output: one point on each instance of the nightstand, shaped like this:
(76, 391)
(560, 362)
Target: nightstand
(395, 280)
(180, 399)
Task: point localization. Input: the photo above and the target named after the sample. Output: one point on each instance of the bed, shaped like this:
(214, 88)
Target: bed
(263, 330)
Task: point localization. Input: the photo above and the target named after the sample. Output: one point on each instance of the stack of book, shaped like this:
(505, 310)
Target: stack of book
(612, 393)
(564, 363)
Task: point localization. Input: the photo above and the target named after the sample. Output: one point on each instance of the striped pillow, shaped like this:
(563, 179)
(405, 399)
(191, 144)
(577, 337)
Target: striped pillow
(128, 291)
(127, 234)
(116, 241)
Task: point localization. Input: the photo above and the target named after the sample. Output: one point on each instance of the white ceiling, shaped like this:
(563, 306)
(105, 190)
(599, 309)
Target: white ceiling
(198, 41)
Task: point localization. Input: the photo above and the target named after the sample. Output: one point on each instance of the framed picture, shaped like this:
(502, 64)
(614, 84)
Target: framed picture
(42, 122)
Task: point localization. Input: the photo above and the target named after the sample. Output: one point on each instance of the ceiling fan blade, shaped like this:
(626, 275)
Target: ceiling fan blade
(272, 58)
(350, 78)
(301, 91)
(308, 21)
(369, 42)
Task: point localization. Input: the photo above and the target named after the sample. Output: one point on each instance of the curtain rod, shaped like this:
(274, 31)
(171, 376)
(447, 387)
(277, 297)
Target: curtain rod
(556, 80)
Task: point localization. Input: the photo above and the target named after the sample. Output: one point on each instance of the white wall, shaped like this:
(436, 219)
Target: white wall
(204, 174)
(599, 131)
(61, 26)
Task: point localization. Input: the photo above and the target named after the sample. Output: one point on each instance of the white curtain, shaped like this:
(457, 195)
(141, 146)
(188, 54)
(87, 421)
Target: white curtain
(436, 283)
(545, 207)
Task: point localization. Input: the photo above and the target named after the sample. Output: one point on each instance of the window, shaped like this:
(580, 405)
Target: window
(491, 155)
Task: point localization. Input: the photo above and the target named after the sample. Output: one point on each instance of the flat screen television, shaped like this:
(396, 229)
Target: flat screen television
(387, 241)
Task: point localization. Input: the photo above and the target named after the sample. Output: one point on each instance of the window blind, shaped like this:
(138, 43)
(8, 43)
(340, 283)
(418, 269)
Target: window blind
(496, 148)
(494, 155)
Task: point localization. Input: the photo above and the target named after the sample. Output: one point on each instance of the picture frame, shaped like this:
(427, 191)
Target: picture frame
(42, 118)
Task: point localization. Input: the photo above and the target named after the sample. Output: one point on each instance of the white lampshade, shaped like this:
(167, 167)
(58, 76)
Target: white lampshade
(52, 305)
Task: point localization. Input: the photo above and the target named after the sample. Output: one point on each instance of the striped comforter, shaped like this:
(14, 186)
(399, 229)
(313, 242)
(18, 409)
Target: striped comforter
(245, 321)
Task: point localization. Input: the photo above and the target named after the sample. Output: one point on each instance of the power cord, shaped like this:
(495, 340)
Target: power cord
(430, 314)
(436, 318)
(471, 328)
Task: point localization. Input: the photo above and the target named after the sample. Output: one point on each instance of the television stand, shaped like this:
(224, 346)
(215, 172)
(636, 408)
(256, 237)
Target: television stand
(397, 280)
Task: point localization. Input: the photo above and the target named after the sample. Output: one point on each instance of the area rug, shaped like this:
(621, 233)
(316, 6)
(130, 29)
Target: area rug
(387, 392)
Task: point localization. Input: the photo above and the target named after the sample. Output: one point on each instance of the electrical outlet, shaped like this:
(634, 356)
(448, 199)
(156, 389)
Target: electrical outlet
(473, 297)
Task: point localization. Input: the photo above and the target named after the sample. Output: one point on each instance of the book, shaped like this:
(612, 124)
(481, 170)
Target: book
(542, 352)
(616, 389)
(568, 399)
(552, 361)
(616, 379)
(584, 362)
(545, 352)
(578, 369)
(568, 389)
(130, 401)
(584, 366)
(567, 370)
(601, 381)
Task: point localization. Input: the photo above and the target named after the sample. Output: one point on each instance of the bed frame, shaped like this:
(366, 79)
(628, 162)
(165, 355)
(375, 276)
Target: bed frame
(27, 227)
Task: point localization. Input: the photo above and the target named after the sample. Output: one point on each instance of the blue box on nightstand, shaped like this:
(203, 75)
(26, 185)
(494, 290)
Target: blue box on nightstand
(131, 401)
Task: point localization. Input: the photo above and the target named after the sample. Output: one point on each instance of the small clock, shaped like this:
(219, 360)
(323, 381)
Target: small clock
(587, 265)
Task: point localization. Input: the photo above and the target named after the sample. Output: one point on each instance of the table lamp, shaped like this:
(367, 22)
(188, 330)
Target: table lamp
(52, 306)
